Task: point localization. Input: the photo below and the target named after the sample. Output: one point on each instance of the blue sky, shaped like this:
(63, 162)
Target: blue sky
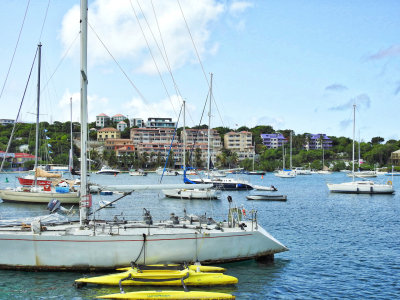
(290, 64)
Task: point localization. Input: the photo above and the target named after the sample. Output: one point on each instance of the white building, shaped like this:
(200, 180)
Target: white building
(121, 126)
(102, 120)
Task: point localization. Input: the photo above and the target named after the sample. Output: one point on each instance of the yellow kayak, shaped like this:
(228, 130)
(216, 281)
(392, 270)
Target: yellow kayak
(169, 295)
(205, 269)
(162, 277)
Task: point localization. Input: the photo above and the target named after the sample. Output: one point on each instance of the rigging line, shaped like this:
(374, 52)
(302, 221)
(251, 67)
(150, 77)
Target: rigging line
(19, 110)
(151, 53)
(44, 21)
(166, 60)
(15, 49)
(61, 61)
(215, 102)
(170, 146)
(119, 66)
(194, 45)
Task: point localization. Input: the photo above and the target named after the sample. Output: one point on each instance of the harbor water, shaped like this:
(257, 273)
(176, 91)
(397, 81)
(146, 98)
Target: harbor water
(342, 246)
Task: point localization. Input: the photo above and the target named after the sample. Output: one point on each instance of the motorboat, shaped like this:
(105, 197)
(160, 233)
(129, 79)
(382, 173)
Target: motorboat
(302, 171)
(205, 194)
(285, 174)
(137, 172)
(167, 172)
(267, 197)
(106, 170)
(363, 174)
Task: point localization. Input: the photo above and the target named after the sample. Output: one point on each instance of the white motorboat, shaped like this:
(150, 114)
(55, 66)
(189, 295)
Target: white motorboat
(363, 174)
(106, 204)
(167, 172)
(138, 172)
(285, 174)
(205, 194)
(106, 170)
(90, 244)
(324, 172)
(302, 171)
(267, 197)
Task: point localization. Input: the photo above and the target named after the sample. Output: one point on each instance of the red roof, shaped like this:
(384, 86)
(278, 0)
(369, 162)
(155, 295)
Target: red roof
(118, 115)
(102, 115)
(108, 129)
(24, 155)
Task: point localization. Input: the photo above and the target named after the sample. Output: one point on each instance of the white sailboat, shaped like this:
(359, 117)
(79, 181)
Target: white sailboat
(360, 187)
(35, 193)
(220, 183)
(199, 194)
(94, 244)
(325, 170)
(286, 173)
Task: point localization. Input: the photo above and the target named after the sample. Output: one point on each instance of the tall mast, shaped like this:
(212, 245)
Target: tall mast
(209, 127)
(184, 136)
(354, 135)
(71, 161)
(84, 131)
(37, 112)
(290, 150)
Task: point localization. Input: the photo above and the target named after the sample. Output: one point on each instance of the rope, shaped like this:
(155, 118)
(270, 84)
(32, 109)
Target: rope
(19, 110)
(119, 66)
(15, 49)
(141, 250)
(151, 53)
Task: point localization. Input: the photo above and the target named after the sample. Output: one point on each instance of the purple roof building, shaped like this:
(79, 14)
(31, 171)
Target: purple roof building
(273, 140)
(317, 141)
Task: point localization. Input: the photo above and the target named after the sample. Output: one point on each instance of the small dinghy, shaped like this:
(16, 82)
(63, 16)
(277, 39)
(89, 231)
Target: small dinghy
(106, 204)
(267, 197)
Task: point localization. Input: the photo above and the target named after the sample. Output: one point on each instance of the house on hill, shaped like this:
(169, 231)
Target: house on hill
(108, 133)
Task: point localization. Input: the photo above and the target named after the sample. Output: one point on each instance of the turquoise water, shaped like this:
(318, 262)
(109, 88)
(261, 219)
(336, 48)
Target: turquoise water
(341, 246)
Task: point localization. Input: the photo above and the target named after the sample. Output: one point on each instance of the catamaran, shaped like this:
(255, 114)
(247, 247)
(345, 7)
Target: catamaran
(90, 244)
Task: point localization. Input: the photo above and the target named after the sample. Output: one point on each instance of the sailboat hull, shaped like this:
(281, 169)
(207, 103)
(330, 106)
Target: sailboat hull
(360, 187)
(38, 197)
(63, 247)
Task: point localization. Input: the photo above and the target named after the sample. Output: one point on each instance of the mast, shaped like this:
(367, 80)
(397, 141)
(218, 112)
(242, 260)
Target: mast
(354, 134)
(184, 136)
(84, 133)
(290, 150)
(209, 128)
(37, 112)
(71, 161)
(283, 156)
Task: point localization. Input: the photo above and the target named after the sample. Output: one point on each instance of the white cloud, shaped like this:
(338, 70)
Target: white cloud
(96, 105)
(238, 7)
(165, 108)
(116, 24)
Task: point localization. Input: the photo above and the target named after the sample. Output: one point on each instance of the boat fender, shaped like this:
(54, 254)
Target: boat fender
(47, 188)
(229, 198)
(242, 226)
(244, 212)
(390, 182)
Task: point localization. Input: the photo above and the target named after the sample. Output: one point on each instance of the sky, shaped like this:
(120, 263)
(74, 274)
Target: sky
(297, 65)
